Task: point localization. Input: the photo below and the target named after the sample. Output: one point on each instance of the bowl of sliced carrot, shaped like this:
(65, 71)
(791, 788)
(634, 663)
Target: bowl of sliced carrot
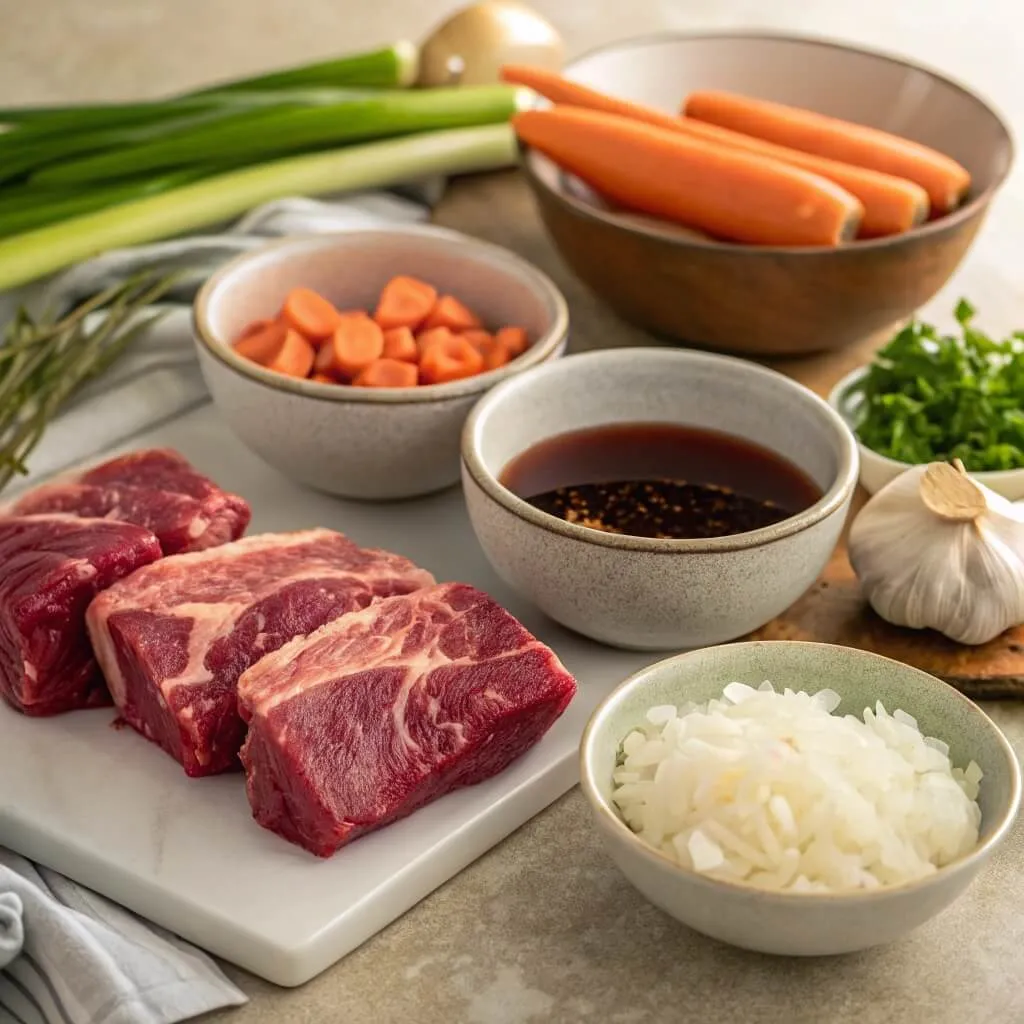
(350, 361)
(758, 193)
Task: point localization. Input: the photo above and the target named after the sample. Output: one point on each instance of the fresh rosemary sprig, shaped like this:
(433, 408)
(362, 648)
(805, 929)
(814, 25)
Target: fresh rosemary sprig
(44, 362)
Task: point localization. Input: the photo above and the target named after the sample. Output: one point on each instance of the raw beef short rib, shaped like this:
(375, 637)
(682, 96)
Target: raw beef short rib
(384, 710)
(51, 567)
(174, 638)
(156, 488)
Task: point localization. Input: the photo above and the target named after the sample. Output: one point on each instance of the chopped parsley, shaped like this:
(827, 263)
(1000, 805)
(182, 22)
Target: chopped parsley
(931, 397)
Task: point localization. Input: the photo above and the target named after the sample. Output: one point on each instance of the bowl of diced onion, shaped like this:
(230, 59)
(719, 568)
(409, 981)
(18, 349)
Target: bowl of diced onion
(794, 798)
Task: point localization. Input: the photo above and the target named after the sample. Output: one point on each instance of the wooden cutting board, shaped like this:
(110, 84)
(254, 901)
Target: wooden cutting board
(833, 611)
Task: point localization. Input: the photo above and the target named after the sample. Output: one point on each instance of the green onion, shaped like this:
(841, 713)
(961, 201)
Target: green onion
(17, 160)
(392, 67)
(256, 135)
(217, 199)
(27, 208)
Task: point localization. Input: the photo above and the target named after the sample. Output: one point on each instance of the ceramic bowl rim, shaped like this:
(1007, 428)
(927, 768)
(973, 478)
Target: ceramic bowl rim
(503, 260)
(968, 210)
(835, 496)
(655, 858)
(985, 476)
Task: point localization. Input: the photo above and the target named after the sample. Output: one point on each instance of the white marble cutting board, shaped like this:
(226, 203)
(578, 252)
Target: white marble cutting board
(115, 813)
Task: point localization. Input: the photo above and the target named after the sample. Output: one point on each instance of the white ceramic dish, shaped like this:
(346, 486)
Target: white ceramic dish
(115, 813)
(799, 924)
(638, 592)
(878, 470)
(369, 443)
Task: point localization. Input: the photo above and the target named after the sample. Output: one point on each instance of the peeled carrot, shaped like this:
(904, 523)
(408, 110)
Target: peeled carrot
(514, 339)
(387, 373)
(450, 358)
(295, 357)
(399, 343)
(726, 192)
(262, 344)
(945, 181)
(891, 204)
(322, 378)
(449, 312)
(404, 302)
(313, 316)
(356, 342)
(561, 90)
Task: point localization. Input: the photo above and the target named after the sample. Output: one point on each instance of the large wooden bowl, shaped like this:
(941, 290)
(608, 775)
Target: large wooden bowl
(759, 300)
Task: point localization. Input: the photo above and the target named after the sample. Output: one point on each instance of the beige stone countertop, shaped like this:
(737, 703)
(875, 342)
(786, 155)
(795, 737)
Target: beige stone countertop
(543, 928)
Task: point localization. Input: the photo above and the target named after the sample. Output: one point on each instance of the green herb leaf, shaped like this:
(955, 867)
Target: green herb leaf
(44, 363)
(930, 397)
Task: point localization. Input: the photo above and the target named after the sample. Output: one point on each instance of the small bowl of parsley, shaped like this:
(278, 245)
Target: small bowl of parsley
(929, 396)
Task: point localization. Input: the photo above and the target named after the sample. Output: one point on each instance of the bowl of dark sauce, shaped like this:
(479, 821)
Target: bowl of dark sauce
(657, 499)
(660, 480)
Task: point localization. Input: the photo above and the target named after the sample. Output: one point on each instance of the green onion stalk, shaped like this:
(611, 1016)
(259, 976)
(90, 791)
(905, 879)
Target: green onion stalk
(223, 196)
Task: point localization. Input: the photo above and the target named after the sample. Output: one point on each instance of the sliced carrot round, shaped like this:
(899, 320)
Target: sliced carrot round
(295, 357)
(255, 327)
(496, 355)
(435, 334)
(387, 373)
(514, 339)
(478, 338)
(404, 302)
(399, 343)
(313, 316)
(262, 345)
(449, 312)
(450, 358)
(357, 342)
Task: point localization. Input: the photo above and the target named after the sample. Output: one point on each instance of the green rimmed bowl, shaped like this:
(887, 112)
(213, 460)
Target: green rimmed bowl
(799, 924)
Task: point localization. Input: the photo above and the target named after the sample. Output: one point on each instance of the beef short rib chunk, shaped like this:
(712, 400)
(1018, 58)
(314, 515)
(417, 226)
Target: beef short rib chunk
(174, 638)
(156, 488)
(384, 710)
(51, 567)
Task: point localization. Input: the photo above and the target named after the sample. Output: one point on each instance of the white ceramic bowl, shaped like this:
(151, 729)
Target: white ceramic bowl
(644, 593)
(878, 470)
(368, 443)
(799, 924)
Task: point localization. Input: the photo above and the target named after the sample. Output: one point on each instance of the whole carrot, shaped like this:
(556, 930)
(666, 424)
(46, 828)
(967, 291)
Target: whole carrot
(726, 192)
(561, 90)
(892, 205)
(945, 181)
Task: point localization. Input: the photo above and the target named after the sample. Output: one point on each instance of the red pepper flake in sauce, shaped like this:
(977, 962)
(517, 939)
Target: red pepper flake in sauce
(663, 509)
(660, 480)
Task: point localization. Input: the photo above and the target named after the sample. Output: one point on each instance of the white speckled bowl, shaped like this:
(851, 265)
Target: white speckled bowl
(877, 470)
(799, 924)
(368, 443)
(643, 593)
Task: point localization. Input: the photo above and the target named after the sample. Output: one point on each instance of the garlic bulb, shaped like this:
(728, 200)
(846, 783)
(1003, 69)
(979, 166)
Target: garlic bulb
(935, 549)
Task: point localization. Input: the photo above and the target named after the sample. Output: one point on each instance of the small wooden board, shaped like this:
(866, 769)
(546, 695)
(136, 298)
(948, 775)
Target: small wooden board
(834, 611)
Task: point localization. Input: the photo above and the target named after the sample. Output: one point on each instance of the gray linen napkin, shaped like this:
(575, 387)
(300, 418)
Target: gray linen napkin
(74, 957)
(68, 955)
